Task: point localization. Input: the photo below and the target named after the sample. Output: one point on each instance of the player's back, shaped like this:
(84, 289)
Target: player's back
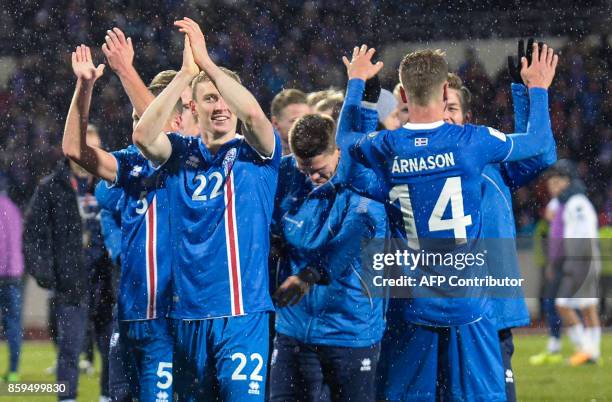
(433, 179)
(431, 174)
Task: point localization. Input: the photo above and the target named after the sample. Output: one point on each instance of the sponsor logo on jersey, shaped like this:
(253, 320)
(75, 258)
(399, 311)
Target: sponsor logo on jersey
(366, 365)
(193, 161)
(254, 388)
(509, 376)
(161, 396)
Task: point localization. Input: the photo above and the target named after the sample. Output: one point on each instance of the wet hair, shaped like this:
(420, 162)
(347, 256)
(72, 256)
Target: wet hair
(284, 98)
(422, 73)
(203, 77)
(160, 82)
(333, 102)
(315, 97)
(312, 135)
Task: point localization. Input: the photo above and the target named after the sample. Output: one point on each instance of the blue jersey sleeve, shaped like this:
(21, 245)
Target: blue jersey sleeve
(272, 160)
(538, 136)
(497, 147)
(126, 158)
(108, 197)
(180, 145)
(520, 103)
(520, 173)
(349, 120)
(356, 119)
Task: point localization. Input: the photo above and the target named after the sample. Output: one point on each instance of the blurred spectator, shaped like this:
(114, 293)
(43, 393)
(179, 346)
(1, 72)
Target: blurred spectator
(11, 272)
(292, 44)
(65, 253)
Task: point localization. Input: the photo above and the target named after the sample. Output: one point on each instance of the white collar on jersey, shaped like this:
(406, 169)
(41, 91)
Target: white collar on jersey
(423, 126)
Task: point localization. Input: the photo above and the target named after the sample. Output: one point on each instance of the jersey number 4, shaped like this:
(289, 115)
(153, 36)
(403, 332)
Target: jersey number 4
(451, 193)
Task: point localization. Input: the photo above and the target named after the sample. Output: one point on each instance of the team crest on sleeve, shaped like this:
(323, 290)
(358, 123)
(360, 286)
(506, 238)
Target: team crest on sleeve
(228, 161)
(497, 134)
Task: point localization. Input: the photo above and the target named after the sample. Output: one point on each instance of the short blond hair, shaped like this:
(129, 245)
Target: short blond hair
(315, 97)
(163, 78)
(333, 102)
(284, 98)
(160, 82)
(203, 77)
(422, 73)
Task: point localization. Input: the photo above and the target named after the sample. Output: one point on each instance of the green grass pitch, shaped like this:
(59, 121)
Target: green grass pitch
(545, 383)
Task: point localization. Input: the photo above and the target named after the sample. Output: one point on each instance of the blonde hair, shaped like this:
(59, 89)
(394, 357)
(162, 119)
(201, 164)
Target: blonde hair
(203, 77)
(422, 73)
(285, 98)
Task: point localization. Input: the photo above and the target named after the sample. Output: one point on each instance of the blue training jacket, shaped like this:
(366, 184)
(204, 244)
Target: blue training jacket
(498, 218)
(323, 228)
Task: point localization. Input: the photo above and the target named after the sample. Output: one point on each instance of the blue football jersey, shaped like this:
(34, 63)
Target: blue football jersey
(430, 174)
(221, 208)
(145, 287)
(431, 177)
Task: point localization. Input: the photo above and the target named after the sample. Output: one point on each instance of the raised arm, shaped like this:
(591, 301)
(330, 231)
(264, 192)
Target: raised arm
(520, 173)
(148, 135)
(355, 117)
(119, 53)
(538, 76)
(74, 143)
(259, 132)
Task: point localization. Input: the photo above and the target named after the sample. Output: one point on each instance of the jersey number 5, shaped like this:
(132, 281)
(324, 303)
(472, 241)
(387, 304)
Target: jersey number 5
(451, 193)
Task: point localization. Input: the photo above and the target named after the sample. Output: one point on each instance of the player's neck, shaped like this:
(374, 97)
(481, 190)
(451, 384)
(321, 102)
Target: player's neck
(425, 114)
(214, 141)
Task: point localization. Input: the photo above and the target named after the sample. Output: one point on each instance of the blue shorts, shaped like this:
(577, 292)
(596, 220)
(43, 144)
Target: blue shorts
(221, 358)
(147, 352)
(119, 388)
(458, 363)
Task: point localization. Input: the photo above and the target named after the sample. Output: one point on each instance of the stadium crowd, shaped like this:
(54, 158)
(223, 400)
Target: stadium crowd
(297, 52)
